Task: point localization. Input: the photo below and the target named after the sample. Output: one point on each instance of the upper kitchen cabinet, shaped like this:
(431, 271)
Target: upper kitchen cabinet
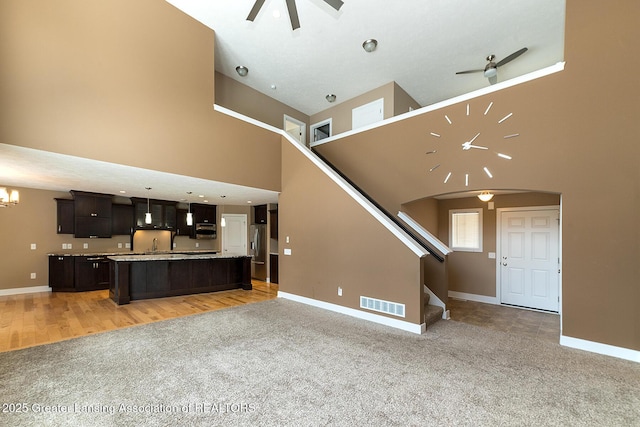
(260, 214)
(163, 214)
(66, 216)
(122, 220)
(203, 213)
(182, 229)
(92, 213)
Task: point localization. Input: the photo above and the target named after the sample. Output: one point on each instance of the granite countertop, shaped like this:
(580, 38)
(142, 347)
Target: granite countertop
(108, 254)
(170, 256)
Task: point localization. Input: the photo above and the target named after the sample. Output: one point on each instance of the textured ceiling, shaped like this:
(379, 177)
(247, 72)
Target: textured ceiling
(421, 45)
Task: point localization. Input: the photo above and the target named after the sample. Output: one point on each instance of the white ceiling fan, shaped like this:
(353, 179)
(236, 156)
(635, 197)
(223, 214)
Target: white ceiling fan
(491, 69)
(293, 11)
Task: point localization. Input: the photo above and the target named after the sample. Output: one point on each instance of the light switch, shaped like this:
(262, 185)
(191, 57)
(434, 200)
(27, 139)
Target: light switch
(492, 255)
(33, 275)
(33, 246)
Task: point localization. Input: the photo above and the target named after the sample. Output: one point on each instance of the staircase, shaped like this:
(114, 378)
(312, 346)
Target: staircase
(432, 313)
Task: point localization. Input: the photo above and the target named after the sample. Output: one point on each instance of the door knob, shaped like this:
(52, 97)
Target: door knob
(504, 264)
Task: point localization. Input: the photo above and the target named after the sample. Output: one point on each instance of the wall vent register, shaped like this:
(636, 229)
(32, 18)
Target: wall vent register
(382, 306)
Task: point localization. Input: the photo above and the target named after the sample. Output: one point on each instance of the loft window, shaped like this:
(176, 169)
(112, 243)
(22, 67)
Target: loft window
(465, 230)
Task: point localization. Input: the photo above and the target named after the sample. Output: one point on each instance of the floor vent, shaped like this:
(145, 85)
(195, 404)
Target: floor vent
(382, 306)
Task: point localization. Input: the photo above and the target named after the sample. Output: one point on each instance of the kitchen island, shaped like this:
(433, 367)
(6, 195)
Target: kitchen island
(134, 277)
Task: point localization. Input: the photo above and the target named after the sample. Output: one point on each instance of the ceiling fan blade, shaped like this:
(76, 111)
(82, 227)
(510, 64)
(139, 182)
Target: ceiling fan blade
(511, 57)
(255, 9)
(336, 4)
(471, 71)
(293, 14)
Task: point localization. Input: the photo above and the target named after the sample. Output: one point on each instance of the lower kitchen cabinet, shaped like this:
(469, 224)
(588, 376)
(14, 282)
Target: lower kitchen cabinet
(61, 273)
(91, 273)
(78, 273)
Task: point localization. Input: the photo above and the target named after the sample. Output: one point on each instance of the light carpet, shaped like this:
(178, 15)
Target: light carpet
(280, 362)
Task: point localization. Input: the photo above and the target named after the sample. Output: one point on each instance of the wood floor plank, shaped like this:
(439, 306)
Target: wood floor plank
(42, 318)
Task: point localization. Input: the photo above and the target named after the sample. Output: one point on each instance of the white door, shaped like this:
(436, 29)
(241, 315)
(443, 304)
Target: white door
(529, 258)
(234, 234)
(367, 114)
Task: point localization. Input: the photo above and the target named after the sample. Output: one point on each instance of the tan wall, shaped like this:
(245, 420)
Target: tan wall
(402, 101)
(334, 242)
(106, 80)
(577, 138)
(241, 98)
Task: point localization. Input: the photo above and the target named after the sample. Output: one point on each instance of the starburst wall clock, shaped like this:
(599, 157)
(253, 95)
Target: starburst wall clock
(487, 140)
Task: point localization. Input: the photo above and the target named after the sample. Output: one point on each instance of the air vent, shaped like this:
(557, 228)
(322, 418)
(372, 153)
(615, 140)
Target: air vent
(382, 306)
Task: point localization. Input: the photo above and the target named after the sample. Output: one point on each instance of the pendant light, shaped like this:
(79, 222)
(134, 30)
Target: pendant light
(189, 214)
(223, 221)
(8, 197)
(147, 216)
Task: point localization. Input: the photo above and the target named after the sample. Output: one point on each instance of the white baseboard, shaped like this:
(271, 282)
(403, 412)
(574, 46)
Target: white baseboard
(394, 323)
(474, 297)
(596, 347)
(29, 290)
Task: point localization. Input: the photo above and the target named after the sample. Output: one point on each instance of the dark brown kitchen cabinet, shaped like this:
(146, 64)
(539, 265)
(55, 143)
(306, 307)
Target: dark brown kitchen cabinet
(163, 214)
(273, 266)
(122, 220)
(66, 216)
(92, 212)
(260, 214)
(91, 273)
(203, 213)
(61, 273)
(182, 229)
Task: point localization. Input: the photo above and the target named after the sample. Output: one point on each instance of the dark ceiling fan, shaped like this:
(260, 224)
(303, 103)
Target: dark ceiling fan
(293, 11)
(491, 69)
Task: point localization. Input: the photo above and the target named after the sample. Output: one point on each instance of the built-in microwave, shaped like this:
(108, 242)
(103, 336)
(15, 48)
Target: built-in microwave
(205, 230)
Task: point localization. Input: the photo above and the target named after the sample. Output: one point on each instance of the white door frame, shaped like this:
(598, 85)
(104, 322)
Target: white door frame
(242, 217)
(314, 126)
(499, 212)
(302, 125)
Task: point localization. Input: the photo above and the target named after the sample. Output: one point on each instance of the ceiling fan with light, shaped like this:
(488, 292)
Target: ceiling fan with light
(293, 11)
(491, 69)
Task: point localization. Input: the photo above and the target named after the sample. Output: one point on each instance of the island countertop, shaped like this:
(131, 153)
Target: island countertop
(169, 256)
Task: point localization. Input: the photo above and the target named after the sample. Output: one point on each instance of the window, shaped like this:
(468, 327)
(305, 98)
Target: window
(465, 230)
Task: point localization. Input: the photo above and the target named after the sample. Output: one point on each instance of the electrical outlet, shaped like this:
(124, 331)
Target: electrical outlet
(287, 239)
(85, 245)
(197, 245)
(64, 246)
(119, 245)
(69, 246)
(33, 246)
(33, 275)
(127, 245)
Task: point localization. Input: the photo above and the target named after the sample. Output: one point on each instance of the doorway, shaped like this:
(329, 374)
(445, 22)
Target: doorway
(321, 130)
(295, 128)
(234, 234)
(528, 246)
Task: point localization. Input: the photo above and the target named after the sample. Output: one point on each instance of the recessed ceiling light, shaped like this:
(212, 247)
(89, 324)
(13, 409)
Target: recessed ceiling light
(248, 201)
(201, 195)
(122, 191)
(331, 97)
(274, 87)
(242, 70)
(370, 45)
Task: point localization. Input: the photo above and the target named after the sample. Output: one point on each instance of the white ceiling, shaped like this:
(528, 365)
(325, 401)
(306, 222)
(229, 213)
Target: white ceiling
(421, 44)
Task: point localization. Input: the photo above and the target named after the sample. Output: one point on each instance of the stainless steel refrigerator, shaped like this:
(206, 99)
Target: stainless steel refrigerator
(258, 233)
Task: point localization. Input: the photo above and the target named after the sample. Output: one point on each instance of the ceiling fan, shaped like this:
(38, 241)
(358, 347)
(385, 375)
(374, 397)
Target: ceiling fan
(293, 11)
(491, 69)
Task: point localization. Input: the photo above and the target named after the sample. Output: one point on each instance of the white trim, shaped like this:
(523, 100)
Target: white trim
(366, 204)
(599, 348)
(29, 290)
(433, 298)
(433, 240)
(375, 318)
(303, 127)
(474, 297)
(465, 97)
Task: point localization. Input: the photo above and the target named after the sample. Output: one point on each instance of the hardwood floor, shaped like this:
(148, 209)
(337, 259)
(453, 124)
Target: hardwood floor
(41, 318)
